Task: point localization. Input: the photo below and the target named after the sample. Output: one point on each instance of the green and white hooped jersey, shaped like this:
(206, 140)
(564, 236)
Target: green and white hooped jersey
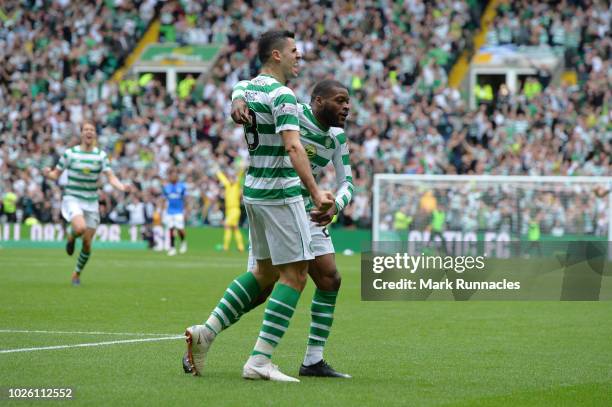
(84, 168)
(322, 147)
(271, 178)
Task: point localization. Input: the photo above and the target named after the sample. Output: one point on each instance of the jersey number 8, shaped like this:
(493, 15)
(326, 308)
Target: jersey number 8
(250, 132)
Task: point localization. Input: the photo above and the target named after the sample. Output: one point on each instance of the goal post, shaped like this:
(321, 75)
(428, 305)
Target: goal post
(491, 207)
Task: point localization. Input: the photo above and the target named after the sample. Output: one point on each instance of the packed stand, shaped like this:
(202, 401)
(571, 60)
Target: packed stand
(405, 119)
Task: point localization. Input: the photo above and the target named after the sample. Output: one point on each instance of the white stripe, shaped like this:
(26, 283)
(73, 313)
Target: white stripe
(271, 183)
(271, 337)
(271, 161)
(228, 305)
(320, 314)
(233, 294)
(317, 338)
(28, 331)
(322, 303)
(86, 345)
(242, 288)
(320, 326)
(276, 326)
(282, 303)
(222, 315)
(276, 314)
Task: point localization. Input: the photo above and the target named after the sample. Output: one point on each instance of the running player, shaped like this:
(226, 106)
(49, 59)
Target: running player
(174, 208)
(273, 200)
(84, 163)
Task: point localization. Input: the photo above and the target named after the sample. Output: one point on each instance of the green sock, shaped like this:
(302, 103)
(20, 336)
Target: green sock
(278, 313)
(322, 313)
(82, 261)
(236, 301)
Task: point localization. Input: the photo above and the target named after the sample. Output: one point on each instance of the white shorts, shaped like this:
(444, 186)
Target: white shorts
(279, 232)
(72, 207)
(321, 244)
(176, 220)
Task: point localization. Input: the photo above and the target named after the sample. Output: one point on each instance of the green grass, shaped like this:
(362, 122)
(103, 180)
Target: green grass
(400, 353)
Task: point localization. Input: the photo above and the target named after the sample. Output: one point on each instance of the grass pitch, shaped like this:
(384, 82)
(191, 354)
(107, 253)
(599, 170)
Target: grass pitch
(400, 353)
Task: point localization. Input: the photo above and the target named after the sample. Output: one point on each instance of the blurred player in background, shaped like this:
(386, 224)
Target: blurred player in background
(84, 164)
(233, 187)
(174, 211)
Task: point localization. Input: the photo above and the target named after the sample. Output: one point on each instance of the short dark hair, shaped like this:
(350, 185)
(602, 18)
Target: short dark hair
(325, 87)
(270, 41)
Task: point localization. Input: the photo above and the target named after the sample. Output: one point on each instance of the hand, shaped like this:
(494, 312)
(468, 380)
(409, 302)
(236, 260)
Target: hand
(46, 171)
(323, 200)
(127, 188)
(323, 218)
(240, 112)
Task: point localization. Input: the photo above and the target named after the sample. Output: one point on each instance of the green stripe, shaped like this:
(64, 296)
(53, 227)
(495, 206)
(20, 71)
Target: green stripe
(99, 153)
(272, 193)
(80, 160)
(264, 88)
(256, 352)
(317, 138)
(319, 332)
(275, 151)
(285, 99)
(320, 161)
(228, 313)
(229, 298)
(87, 189)
(341, 138)
(350, 179)
(272, 172)
(322, 320)
(83, 172)
(259, 107)
(263, 128)
(272, 330)
(312, 119)
(276, 320)
(238, 291)
(346, 160)
(345, 200)
(85, 198)
(286, 119)
(77, 179)
(326, 309)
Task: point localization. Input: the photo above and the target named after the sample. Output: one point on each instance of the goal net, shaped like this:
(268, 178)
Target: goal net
(491, 208)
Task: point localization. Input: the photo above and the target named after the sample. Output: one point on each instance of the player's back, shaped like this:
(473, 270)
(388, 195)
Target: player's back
(175, 194)
(271, 178)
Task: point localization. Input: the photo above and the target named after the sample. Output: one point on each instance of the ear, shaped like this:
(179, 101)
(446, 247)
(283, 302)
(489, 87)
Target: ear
(276, 55)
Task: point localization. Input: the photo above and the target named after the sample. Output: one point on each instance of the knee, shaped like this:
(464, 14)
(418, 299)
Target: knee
(296, 280)
(330, 281)
(79, 229)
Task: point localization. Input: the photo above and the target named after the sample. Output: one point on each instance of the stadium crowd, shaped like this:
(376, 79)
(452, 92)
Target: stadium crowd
(394, 56)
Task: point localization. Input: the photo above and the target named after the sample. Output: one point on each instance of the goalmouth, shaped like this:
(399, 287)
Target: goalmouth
(491, 207)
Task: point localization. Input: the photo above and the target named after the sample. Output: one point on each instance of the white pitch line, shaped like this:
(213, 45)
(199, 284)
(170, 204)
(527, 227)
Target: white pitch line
(86, 345)
(24, 331)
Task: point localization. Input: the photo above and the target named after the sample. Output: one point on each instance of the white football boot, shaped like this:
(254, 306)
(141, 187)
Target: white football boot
(172, 252)
(259, 367)
(183, 248)
(198, 338)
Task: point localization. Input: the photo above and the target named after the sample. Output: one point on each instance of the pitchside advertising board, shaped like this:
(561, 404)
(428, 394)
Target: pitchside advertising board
(112, 235)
